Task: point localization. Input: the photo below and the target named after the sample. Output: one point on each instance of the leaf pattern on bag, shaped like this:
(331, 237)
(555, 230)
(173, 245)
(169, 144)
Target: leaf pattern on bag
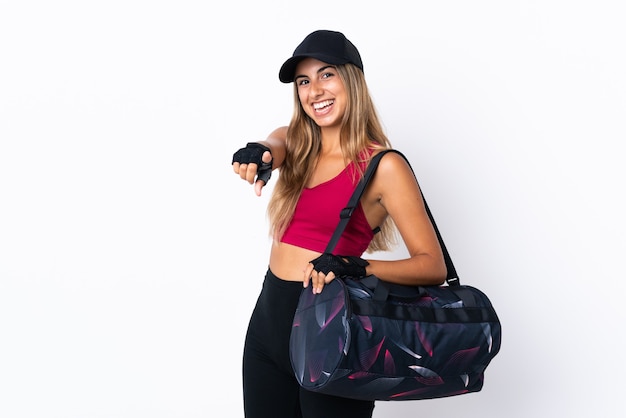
(337, 351)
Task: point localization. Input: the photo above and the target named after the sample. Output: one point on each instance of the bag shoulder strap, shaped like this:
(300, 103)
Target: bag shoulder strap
(452, 277)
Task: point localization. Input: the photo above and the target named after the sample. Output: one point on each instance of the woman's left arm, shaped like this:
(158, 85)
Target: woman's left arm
(396, 188)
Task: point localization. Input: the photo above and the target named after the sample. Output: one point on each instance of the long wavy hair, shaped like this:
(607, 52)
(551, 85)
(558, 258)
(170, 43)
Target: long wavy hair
(361, 132)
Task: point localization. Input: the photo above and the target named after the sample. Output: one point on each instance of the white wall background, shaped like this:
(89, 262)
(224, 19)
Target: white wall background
(131, 256)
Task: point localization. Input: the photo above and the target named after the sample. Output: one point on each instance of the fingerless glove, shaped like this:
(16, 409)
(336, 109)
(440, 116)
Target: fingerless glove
(340, 265)
(252, 153)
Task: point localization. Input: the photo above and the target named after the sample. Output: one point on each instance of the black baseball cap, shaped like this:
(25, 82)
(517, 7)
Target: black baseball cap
(325, 45)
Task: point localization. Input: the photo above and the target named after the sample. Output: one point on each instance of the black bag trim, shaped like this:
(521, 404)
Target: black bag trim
(423, 314)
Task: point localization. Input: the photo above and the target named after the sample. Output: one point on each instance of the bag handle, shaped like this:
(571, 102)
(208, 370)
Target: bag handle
(452, 277)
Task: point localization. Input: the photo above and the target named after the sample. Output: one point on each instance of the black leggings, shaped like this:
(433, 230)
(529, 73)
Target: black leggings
(270, 389)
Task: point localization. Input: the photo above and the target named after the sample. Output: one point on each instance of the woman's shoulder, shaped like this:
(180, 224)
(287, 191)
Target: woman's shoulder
(392, 159)
(393, 168)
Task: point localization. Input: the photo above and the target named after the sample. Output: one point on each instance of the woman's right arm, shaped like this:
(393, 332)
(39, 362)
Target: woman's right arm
(275, 141)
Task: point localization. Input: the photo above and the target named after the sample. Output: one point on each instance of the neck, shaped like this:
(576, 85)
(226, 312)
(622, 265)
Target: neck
(330, 140)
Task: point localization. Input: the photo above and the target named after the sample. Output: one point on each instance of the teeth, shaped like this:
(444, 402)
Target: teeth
(320, 105)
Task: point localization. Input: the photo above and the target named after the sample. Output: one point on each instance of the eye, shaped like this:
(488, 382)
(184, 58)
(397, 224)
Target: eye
(303, 81)
(327, 75)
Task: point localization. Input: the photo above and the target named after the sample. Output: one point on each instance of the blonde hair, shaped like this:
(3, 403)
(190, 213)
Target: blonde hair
(361, 131)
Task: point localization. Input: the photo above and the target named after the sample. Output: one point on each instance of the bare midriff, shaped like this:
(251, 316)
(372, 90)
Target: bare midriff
(288, 262)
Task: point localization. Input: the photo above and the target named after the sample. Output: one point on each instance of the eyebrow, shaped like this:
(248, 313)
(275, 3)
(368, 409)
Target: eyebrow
(318, 71)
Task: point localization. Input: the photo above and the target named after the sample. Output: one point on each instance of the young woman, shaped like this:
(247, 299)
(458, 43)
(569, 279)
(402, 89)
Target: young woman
(321, 155)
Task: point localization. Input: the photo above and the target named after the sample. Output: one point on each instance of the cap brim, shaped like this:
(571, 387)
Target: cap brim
(287, 71)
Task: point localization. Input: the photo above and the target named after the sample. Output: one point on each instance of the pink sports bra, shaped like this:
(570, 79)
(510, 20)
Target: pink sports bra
(317, 215)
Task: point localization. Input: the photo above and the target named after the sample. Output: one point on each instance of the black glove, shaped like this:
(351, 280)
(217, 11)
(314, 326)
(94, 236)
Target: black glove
(340, 265)
(253, 154)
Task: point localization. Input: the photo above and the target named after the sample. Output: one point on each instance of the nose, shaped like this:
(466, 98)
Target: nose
(315, 89)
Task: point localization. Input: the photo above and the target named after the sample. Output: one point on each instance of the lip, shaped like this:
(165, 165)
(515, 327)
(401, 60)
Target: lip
(323, 107)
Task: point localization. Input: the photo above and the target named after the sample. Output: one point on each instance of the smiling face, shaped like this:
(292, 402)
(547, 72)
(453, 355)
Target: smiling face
(321, 92)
